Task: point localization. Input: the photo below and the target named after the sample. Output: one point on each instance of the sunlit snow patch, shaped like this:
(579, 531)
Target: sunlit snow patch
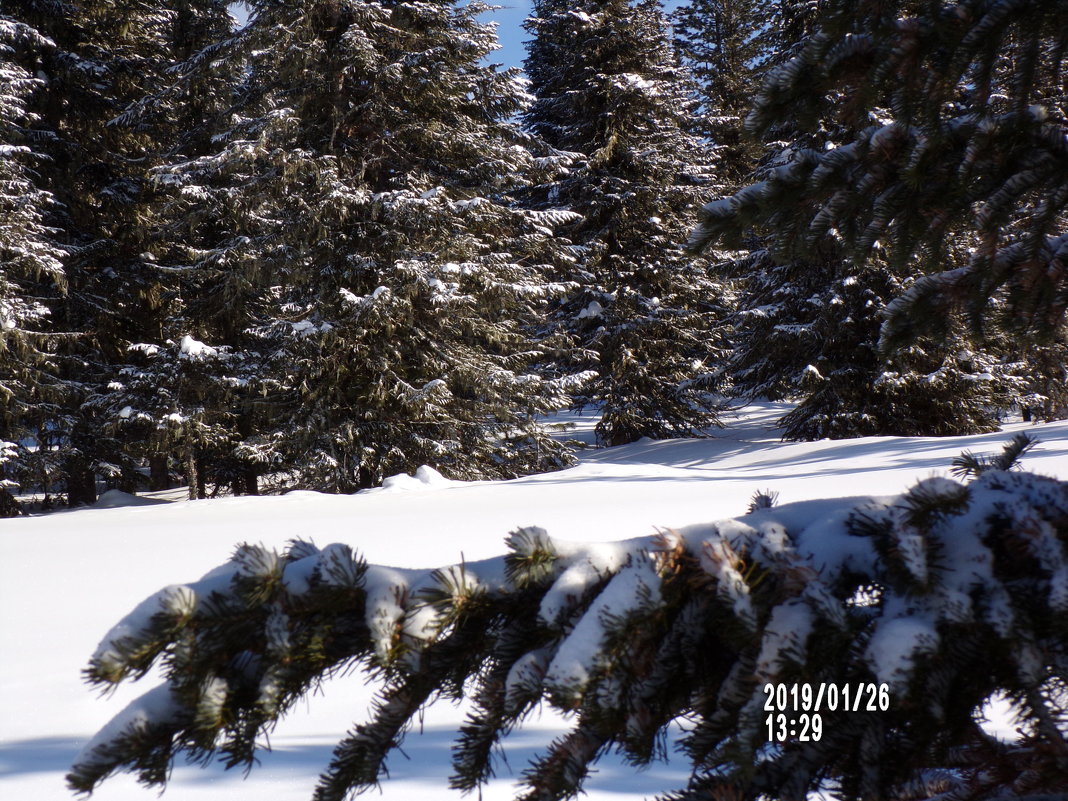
(425, 478)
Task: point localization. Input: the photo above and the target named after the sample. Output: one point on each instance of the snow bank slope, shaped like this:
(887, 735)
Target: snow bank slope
(65, 579)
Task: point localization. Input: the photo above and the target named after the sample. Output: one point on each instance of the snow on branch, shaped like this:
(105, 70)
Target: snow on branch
(935, 599)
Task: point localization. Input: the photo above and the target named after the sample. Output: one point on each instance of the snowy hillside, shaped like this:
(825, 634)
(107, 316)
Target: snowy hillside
(67, 577)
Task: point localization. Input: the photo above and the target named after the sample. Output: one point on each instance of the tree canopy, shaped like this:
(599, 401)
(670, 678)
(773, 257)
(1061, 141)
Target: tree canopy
(952, 120)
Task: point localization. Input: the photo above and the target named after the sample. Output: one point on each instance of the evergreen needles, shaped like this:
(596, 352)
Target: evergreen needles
(931, 602)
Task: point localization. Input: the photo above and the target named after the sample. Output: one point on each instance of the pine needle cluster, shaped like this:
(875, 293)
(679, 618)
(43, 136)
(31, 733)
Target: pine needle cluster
(938, 599)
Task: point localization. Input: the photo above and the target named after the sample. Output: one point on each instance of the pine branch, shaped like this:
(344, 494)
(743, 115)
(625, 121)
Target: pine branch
(630, 637)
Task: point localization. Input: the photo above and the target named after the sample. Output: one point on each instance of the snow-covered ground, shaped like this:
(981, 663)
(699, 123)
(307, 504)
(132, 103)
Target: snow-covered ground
(66, 578)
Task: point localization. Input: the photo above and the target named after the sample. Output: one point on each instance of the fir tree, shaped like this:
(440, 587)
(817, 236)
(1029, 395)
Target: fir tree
(180, 399)
(160, 395)
(876, 596)
(607, 89)
(809, 330)
(349, 238)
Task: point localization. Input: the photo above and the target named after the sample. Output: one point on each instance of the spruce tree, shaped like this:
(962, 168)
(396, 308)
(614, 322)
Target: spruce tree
(819, 302)
(608, 90)
(180, 400)
(32, 275)
(896, 618)
(809, 330)
(720, 43)
(349, 238)
(954, 144)
(101, 58)
(169, 403)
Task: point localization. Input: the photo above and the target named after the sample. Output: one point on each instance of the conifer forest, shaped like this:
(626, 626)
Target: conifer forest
(335, 242)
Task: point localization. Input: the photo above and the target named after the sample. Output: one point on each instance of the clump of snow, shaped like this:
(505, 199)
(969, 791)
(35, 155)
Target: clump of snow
(426, 477)
(363, 301)
(306, 328)
(592, 311)
(635, 585)
(145, 348)
(157, 706)
(173, 600)
(629, 80)
(387, 589)
(897, 642)
(785, 638)
(525, 677)
(827, 541)
(600, 561)
(720, 560)
(194, 349)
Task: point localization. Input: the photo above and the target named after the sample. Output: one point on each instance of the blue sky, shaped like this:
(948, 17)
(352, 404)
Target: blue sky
(509, 19)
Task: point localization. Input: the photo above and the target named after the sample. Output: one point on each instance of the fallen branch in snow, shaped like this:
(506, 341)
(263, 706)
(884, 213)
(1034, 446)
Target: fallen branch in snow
(909, 611)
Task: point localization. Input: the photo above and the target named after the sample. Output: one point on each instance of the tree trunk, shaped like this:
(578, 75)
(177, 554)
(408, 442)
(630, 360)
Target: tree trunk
(81, 482)
(192, 480)
(251, 481)
(159, 477)
(202, 479)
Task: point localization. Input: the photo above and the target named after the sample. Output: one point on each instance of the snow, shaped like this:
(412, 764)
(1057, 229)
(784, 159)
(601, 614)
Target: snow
(155, 705)
(66, 579)
(425, 478)
(629, 80)
(579, 577)
(115, 499)
(305, 328)
(582, 16)
(576, 658)
(896, 643)
(592, 311)
(785, 637)
(194, 349)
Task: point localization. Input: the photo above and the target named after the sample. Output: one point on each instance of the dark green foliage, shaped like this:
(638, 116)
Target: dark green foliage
(372, 273)
(645, 316)
(32, 275)
(92, 64)
(879, 593)
(866, 194)
(970, 464)
(719, 42)
(810, 330)
(954, 137)
(183, 399)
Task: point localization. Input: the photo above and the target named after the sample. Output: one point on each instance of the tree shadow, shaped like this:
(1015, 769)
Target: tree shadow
(38, 755)
(424, 757)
